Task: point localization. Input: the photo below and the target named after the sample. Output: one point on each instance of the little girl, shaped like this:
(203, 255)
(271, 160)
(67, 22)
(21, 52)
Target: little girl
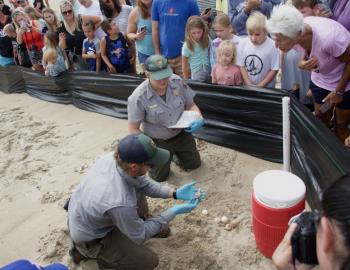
(226, 72)
(224, 31)
(195, 50)
(51, 42)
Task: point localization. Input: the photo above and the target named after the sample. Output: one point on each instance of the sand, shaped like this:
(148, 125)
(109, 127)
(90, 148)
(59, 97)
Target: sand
(45, 150)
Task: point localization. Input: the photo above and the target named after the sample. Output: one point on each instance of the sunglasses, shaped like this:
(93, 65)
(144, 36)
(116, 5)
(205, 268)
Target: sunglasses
(67, 12)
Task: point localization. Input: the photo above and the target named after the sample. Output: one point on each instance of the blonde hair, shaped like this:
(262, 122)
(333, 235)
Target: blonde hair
(16, 13)
(30, 11)
(56, 22)
(224, 46)
(222, 20)
(196, 22)
(256, 21)
(66, 3)
(50, 55)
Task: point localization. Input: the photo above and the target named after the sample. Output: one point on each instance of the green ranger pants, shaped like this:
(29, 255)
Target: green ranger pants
(184, 147)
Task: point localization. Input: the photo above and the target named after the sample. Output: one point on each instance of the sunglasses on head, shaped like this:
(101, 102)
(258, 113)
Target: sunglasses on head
(66, 12)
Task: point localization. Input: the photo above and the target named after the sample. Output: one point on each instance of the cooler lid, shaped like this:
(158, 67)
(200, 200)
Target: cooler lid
(278, 189)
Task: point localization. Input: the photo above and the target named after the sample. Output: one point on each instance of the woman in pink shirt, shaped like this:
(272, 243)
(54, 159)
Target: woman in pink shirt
(325, 44)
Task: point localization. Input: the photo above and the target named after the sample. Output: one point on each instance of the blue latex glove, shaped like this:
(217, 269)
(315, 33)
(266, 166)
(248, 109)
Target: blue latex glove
(195, 125)
(186, 192)
(185, 207)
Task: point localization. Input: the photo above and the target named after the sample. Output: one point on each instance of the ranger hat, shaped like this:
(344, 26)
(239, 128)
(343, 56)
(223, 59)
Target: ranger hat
(158, 67)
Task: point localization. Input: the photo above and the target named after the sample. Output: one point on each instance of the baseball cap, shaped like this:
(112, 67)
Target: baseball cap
(139, 148)
(27, 265)
(158, 67)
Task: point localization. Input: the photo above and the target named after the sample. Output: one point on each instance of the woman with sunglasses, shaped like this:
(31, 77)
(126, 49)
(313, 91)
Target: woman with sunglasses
(71, 35)
(333, 232)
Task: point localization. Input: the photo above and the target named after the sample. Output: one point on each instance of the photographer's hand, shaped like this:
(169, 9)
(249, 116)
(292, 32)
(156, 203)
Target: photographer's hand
(282, 257)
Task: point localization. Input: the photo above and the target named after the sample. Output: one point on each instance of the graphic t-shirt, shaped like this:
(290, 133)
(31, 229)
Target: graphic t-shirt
(91, 47)
(258, 60)
(172, 16)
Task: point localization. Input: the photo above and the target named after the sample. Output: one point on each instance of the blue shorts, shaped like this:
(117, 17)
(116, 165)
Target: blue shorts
(142, 57)
(319, 94)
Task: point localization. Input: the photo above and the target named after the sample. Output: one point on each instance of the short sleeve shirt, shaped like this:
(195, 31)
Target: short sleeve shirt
(91, 47)
(258, 60)
(329, 40)
(145, 106)
(172, 16)
(227, 76)
(198, 58)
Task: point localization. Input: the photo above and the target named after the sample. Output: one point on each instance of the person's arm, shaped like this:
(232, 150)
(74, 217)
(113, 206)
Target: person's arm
(135, 228)
(19, 37)
(155, 37)
(133, 33)
(105, 56)
(134, 127)
(98, 55)
(47, 3)
(195, 108)
(154, 189)
(185, 68)
(95, 19)
(245, 76)
(62, 40)
(337, 96)
(213, 75)
(268, 78)
(238, 17)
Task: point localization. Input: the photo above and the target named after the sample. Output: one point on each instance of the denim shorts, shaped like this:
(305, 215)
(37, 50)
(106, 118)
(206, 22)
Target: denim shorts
(142, 57)
(319, 94)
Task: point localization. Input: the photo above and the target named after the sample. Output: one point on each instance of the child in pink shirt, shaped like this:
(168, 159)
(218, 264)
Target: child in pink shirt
(225, 72)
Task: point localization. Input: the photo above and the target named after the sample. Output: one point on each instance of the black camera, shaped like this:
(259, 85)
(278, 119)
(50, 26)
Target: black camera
(304, 238)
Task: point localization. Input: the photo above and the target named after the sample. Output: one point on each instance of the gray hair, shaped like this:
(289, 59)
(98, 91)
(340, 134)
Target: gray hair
(285, 20)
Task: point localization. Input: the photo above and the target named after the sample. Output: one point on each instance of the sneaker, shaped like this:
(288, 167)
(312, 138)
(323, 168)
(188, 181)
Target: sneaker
(76, 256)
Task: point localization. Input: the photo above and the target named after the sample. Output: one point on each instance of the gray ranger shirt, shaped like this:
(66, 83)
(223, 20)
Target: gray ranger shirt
(146, 107)
(107, 197)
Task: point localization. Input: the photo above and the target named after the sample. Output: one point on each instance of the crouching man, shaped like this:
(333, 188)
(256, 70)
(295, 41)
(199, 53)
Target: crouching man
(108, 214)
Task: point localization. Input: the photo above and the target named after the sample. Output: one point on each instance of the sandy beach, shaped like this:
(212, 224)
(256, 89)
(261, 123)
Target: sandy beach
(45, 150)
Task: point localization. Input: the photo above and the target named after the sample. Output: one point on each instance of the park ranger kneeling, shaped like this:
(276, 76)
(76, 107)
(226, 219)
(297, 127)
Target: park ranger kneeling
(156, 105)
(108, 214)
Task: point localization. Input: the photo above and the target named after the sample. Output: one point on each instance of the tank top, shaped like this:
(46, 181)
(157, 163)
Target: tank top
(117, 52)
(31, 38)
(145, 46)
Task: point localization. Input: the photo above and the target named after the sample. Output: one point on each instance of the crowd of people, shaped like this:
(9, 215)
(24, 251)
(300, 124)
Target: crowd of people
(243, 43)
(235, 45)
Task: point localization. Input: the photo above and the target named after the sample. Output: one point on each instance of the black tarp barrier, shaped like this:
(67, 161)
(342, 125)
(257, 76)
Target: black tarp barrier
(245, 119)
(317, 156)
(53, 89)
(11, 80)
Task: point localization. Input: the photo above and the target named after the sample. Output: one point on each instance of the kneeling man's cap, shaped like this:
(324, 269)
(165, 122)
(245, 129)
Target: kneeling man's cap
(139, 148)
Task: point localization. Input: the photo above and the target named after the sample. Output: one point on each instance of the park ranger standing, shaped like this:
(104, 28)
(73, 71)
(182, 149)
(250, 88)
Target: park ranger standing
(157, 104)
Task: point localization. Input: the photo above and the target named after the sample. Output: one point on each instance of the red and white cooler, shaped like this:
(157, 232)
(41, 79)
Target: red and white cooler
(277, 196)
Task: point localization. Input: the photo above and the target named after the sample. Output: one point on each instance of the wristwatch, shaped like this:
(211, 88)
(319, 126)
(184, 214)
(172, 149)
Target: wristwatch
(339, 93)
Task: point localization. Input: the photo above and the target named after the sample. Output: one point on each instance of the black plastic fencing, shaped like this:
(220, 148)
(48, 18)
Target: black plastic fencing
(245, 119)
